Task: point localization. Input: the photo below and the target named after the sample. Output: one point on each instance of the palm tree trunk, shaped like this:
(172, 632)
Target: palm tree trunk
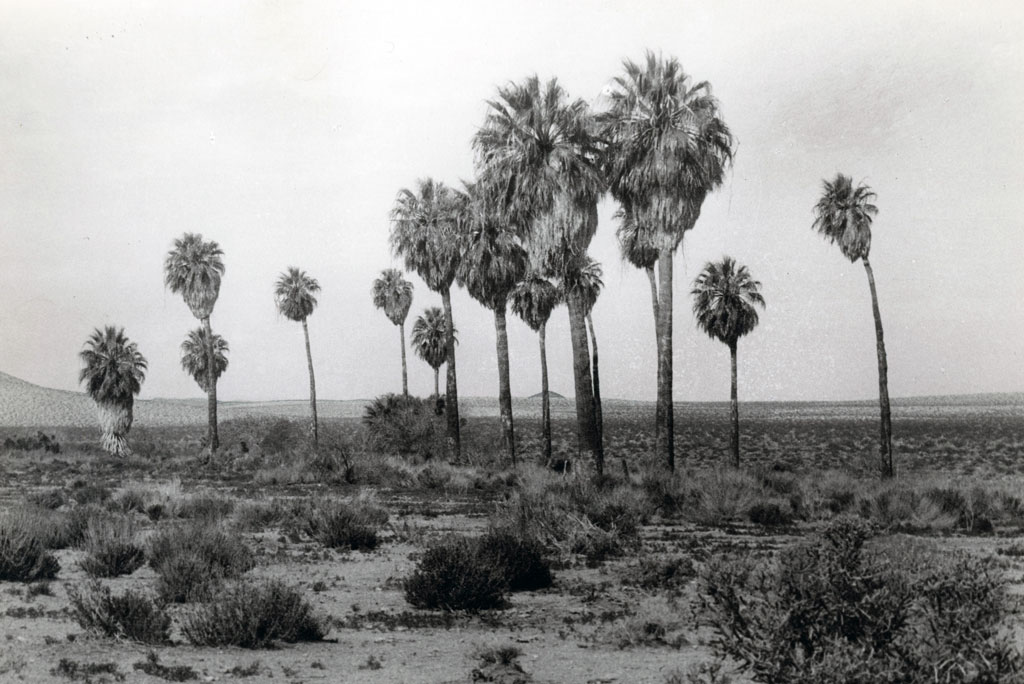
(588, 443)
(405, 372)
(312, 386)
(734, 409)
(115, 422)
(885, 447)
(658, 417)
(504, 386)
(437, 386)
(212, 439)
(545, 410)
(451, 399)
(664, 433)
(598, 416)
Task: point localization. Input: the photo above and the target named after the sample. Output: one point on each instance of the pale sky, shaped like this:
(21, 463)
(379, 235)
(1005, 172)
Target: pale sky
(284, 130)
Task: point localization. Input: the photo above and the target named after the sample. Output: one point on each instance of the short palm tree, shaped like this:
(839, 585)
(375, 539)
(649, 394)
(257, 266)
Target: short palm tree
(538, 160)
(194, 356)
(725, 301)
(424, 234)
(113, 374)
(668, 148)
(493, 261)
(430, 340)
(843, 216)
(295, 294)
(194, 268)
(393, 294)
(587, 283)
(533, 299)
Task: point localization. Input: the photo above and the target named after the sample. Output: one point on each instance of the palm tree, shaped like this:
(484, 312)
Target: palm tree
(430, 340)
(725, 301)
(424, 234)
(194, 356)
(393, 294)
(587, 283)
(668, 149)
(537, 158)
(295, 294)
(843, 215)
(493, 261)
(113, 374)
(533, 299)
(194, 268)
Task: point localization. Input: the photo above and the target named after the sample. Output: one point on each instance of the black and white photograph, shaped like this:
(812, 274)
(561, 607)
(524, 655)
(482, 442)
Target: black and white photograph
(596, 342)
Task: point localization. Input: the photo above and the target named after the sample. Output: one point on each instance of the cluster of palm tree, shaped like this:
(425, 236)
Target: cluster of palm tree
(517, 236)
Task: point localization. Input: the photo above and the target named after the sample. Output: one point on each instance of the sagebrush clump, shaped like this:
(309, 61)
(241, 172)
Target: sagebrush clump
(404, 425)
(191, 560)
(111, 547)
(344, 525)
(23, 551)
(451, 576)
(131, 615)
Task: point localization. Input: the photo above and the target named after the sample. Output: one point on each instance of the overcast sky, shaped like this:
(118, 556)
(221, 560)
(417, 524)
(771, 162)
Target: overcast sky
(284, 130)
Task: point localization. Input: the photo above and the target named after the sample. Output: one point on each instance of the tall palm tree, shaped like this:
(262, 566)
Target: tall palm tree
(493, 261)
(424, 233)
(843, 216)
(533, 299)
(668, 149)
(537, 158)
(430, 340)
(393, 294)
(587, 283)
(295, 294)
(113, 374)
(194, 268)
(194, 356)
(725, 301)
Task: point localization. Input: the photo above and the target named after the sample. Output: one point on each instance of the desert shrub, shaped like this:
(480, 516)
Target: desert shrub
(829, 610)
(618, 509)
(191, 560)
(254, 616)
(255, 516)
(520, 560)
(40, 442)
(332, 464)
(451, 576)
(404, 425)
(171, 673)
(499, 664)
(654, 573)
(899, 506)
(130, 616)
(110, 547)
(770, 514)
(23, 550)
(52, 498)
(721, 496)
(128, 501)
(80, 671)
(206, 507)
(83, 493)
(344, 525)
(283, 435)
(434, 476)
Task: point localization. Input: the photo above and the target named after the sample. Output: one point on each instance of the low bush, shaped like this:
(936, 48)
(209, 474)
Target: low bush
(770, 514)
(344, 525)
(110, 546)
(40, 442)
(451, 576)
(658, 573)
(51, 499)
(206, 507)
(256, 516)
(254, 616)
(403, 425)
(131, 615)
(829, 610)
(519, 560)
(722, 496)
(23, 550)
(191, 560)
(83, 493)
(85, 672)
(171, 673)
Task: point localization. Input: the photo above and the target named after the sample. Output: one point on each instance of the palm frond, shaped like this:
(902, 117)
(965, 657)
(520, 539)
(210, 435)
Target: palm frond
(194, 357)
(424, 232)
(533, 299)
(429, 337)
(193, 268)
(843, 215)
(295, 294)
(493, 257)
(725, 300)
(392, 293)
(114, 369)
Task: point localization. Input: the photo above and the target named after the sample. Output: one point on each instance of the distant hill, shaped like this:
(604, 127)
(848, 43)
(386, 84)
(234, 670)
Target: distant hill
(551, 395)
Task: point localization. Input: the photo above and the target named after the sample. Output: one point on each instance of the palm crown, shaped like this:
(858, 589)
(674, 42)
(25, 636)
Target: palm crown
(429, 335)
(668, 145)
(194, 268)
(493, 259)
(585, 281)
(636, 241)
(392, 293)
(424, 230)
(533, 299)
(844, 214)
(295, 293)
(194, 357)
(114, 368)
(725, 300)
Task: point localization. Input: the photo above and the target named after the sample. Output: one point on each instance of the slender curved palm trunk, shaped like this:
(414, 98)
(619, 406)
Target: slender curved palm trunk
(598, 416)
(653, 279)
(588, 444)
(212, 438)
(545, 410)
(405, 372)
(665, 430)
(885, 446)
(451, 389)
(312, 387)
(437, 386)
(508, 436)
(734, 409)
